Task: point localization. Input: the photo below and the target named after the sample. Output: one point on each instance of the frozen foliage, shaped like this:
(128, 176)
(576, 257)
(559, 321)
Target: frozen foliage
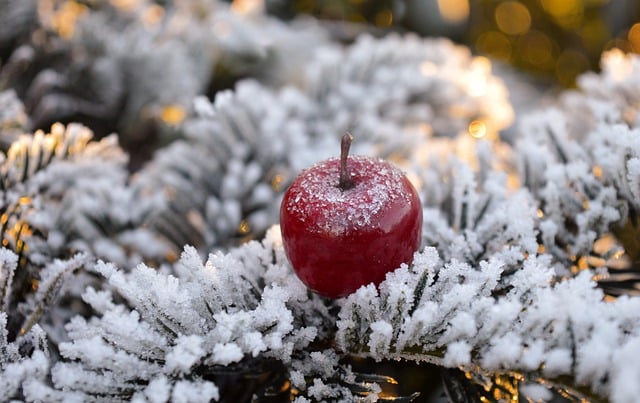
(456, 314)
(470, 200)
(59, 196)
(505, 283)
(220, 183)
(228, 314)
(13, 119)
(382, 87)
(105, 63)
(62, 191)
(589, 146)
(242, 142)
(24, 358)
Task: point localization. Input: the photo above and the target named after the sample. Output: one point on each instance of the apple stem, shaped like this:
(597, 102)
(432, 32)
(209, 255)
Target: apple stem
(345, 177)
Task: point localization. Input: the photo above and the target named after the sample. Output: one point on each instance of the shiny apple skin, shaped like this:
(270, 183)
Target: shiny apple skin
(338, 240)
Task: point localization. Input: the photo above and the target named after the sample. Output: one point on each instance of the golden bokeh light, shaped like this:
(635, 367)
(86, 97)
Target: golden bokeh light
(477, 129)
(597, 171)
(532, 35)
(495, 44)
(152, 15)
(594, 33)
(126, 5)
(454, 11)
(537, 49)
(277, 182)
(513, 18)
(634, 37)
(244, 227)
(567, 13)
(173, 114)
(61, 17)
(245, 7)
(384, 18)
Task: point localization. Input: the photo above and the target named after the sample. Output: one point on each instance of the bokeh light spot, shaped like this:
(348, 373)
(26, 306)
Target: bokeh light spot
(513, 18)
(477, 129)
(173, 114)
(567, 13)
(634, 37)
(537, 49)
(454, 11)
(494, 44)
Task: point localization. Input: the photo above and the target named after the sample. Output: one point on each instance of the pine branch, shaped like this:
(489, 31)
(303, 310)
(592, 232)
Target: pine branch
(459, 323)
(597, 166)
(22, 361)
(188, 328)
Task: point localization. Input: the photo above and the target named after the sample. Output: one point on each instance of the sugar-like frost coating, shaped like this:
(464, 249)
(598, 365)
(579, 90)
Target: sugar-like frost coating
(340, 239)
(319, 201)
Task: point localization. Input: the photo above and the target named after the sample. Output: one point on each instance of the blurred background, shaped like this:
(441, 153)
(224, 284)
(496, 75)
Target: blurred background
(554, 40)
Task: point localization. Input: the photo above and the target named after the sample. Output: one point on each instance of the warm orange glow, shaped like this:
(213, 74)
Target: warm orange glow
(247, 6)
(480, 69)
(597, 171)
(537, 49)
(634, 37)
(569, 64)
(415, 180)
(125, 5)
(567, 13)
(277, 182)
(513, 18)
(454, 11)
(152, 15)
(244, 228)
(477, 129)
(173, 114)
(64, 18)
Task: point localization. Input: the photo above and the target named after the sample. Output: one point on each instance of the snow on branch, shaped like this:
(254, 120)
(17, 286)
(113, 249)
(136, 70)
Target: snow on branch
(456, 315)
(224, 180)
(580, 159)
(24, 357)
(210, 319)
(497, 287)
(379, 88)
(61, 194)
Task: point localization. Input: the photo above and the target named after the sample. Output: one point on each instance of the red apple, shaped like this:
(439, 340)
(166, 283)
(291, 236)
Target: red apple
(347, 222)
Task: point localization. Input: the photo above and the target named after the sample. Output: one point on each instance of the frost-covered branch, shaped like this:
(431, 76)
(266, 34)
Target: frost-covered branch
(579, 159)
(458, 315)
(224, 180)
(211, 320)
(23, 362)
(61, 193)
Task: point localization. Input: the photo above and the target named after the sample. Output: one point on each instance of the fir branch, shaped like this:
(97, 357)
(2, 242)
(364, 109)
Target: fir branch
(511, 332)
(22, 361)
(210, 317)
